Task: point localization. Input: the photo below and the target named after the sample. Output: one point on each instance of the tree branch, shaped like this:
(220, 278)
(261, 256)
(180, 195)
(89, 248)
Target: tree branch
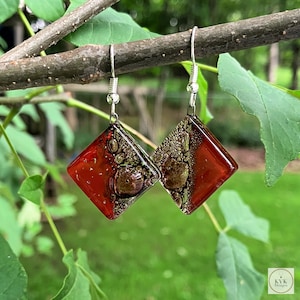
(91, 62)
(57, 30)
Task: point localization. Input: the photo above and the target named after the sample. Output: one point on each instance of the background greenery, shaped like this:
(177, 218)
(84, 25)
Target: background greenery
(153, 251)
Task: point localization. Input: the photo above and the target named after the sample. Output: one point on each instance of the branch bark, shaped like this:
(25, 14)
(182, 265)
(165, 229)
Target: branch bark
(91, 62)
(58, 30)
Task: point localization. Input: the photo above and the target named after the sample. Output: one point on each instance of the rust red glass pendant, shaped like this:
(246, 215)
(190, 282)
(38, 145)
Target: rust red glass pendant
(193, 163)
(113, 171)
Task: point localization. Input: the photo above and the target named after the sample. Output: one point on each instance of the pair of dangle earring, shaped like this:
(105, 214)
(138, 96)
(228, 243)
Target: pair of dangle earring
(113, 170)
(193, 163)
(190, 163)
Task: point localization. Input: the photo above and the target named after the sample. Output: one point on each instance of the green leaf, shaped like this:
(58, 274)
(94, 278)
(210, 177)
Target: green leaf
(235, 267)
(205, 114)
(31, 188)
(50, 10)
(294, 93)
(94, 279)
(44, 245)
(53, 112)
(76, 285)
(31, 111)
(5, 190)
(8, 8)
(20, 93)
(3, 45)
(108, 27)
(9, 226)
(29, 93)
(5, 163)
(10, 173)
(80, 282)
(30, 214)
(17, 121)
(32, 229)
(239, 216)
(4, 110)
(64, 207)
(277, 112)
(13, 278)
(54, 172)
(27, 250)
(26, 145)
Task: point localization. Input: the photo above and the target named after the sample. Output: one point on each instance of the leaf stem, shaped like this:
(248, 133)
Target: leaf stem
(226, 229)
(88, 275)
(13, 150)
(208, 68)
(53, 227)
(202, 66)
(25, 22)
(37, 92)
(76, 103)
(28, 26)
(212, 218)
(42, 203)
(13, 112)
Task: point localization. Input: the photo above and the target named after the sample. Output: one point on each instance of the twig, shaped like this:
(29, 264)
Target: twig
(54, 32)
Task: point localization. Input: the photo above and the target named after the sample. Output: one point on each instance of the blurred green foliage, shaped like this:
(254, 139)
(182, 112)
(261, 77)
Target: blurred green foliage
(166, 17)
(177, 15)
(153, 251)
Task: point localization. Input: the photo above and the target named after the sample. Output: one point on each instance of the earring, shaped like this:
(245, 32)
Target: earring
(193, 163)
(113, 170)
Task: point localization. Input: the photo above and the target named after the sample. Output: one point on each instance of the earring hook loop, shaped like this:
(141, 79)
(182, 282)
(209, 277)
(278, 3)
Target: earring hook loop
(193, 86)
(193, 44)
(113, 97)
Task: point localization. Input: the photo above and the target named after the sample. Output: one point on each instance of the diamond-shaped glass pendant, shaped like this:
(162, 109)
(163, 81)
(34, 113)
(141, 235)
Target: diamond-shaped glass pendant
(113, 171)
(193, 164)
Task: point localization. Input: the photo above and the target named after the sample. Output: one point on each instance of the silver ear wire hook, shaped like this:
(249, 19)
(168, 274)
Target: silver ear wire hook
(113, 97)
(193, 86)
(112, 61)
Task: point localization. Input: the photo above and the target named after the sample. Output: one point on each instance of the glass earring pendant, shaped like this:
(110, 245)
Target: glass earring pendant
(193, 163)
(113, 171)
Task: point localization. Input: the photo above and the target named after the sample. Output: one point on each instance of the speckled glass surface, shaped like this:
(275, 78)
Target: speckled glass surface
(193, 164)
(113, 171)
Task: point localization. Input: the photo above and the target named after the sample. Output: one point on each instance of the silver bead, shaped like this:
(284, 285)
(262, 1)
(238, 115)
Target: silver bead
(113, 98)
(192, 87)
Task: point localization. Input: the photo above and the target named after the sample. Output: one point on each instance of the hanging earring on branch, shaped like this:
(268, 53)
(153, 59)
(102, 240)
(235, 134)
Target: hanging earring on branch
(113, 170)
(192, 161)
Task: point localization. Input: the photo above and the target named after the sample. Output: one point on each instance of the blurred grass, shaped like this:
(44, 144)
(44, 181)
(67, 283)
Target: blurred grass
(153, 251)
